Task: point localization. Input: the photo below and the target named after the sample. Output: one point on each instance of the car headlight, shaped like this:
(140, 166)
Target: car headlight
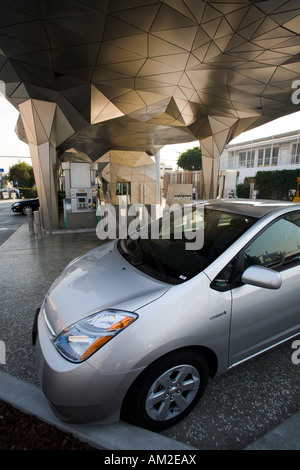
(84, 338)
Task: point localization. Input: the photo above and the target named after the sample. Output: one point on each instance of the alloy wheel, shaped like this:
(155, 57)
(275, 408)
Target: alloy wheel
(172, 392)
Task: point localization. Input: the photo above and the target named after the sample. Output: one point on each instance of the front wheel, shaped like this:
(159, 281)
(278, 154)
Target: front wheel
(25, 210)
(167, 390)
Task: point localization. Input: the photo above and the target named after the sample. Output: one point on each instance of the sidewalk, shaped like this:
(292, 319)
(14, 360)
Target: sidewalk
(31, 265)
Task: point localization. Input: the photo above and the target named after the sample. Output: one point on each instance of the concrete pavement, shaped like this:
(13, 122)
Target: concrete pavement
(255, 407)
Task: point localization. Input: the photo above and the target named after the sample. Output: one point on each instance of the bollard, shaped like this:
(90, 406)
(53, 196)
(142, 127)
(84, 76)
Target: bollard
(37, 224)
(30, 220)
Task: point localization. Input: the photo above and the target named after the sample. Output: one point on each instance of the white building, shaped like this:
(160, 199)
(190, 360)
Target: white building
(278, 152)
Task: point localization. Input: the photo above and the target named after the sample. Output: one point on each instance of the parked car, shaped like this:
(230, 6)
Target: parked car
(134, 328)
(23, 205)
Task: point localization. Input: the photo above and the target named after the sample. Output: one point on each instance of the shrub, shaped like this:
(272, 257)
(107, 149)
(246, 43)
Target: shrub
(28, 193)
(243, 190)
(276, 184)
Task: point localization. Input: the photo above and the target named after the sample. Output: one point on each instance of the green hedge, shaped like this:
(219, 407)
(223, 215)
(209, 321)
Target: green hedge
(28, 193)
(243, 190)
(276, 184)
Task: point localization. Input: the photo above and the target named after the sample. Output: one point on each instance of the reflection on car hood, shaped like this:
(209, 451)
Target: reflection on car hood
(25, 201)
(98, 280)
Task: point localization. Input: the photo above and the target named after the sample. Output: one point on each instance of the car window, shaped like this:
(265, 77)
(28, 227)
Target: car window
(168, 258)
(223, 280)
(278, 247)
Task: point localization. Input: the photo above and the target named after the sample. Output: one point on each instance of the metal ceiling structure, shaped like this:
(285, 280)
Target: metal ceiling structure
(135, 75)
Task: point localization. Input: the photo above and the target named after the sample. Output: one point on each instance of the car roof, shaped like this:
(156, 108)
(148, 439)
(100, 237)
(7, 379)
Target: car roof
(251, 208)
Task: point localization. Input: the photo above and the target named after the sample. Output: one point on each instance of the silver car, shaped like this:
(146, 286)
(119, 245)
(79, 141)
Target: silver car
(133, 329)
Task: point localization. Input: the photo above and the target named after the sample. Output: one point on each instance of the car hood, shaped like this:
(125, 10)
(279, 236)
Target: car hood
(25, 201)
(98, 280)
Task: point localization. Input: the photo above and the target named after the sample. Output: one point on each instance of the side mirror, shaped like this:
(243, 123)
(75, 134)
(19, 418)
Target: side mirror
(262, 277)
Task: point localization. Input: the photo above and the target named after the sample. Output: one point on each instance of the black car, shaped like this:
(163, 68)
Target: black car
(22, 206)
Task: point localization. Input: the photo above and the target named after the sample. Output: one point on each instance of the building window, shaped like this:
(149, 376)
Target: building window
(275, 156)
(260, 161)
(268, 156)
(295, 154)
(231, 161)
(246, 159)
(250, 159)
(242, 159)
(123, 189)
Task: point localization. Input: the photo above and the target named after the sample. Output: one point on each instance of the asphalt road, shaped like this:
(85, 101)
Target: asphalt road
(9, 222)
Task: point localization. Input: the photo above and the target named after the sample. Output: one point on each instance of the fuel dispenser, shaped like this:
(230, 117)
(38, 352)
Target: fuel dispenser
(81, 200)
(80, 194)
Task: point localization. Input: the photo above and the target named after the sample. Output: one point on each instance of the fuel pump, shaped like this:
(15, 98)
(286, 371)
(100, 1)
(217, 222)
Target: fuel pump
(81, 199)
(80, 195)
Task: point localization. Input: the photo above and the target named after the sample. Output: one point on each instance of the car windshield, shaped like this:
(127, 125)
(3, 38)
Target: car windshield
(183, 243)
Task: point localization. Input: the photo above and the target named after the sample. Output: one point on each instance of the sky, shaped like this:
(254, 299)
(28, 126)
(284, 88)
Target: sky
(10, 145)
(12, 150)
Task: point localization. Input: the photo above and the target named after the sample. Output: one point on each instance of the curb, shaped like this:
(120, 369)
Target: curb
(29, 399)
(284, 437)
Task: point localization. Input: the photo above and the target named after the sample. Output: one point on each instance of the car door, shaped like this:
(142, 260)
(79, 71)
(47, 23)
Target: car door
(263, 317)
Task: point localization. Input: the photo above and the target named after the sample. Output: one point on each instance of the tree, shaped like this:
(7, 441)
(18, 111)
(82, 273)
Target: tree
(191, 159)
(22, 173)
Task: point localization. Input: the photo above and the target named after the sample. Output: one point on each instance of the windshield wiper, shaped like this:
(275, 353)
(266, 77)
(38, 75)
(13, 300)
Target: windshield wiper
(135, 257)
(160, 266)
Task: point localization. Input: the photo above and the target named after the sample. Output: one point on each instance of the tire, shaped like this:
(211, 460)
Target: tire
(166, 391)
(25, 209)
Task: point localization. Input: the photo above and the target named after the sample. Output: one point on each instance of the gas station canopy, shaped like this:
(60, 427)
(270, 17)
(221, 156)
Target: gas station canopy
(135, 75)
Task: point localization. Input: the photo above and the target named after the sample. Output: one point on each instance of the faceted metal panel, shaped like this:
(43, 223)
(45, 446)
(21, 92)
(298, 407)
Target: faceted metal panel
(135, 75)
(135, 167)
